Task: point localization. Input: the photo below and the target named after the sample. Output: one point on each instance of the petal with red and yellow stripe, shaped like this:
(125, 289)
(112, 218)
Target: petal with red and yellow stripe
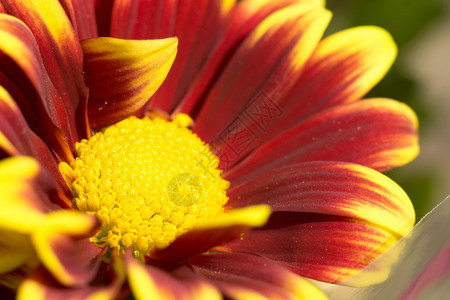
(343, 68)
(82, 15)
(122, 75)
(24, 206)
(148, 282)
(330, 188)
(378, 133)
(330, 219)
(16, 138)
(41, 285)
(322, 247)
(360, 56)
(63, 246)
(61, 54)
(270, 59)
(244, 276)
(198, 28)
(21, 211)
(23, 75)
(243, 19)
(222, 229)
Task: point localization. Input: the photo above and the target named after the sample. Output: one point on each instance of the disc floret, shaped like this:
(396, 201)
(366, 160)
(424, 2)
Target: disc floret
(147, 180)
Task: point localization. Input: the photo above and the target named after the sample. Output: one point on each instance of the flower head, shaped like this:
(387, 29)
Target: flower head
(253, 162)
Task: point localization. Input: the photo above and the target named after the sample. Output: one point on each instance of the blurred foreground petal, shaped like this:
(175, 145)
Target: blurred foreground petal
(148, 282)
(222, 229)
(42, 285)
(61, 244)
(420, 265)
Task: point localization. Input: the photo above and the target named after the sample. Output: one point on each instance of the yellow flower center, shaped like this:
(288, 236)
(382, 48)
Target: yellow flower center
(148, 181)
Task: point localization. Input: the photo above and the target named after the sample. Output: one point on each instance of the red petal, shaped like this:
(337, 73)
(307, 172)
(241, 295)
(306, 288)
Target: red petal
(196, 242)
(269, 60)
(361, 56)
(103, 15)
(240, 275)
(26, 80)
(143, 19)
(82, 15)
(330, 220)
(224, 228)
(61, 53)
(343, 68)
(243, 19)
(330, 188)
(16, 138)
(198, 27)
(123, 74)
(322, 247)
(416, 267)
(378, 133)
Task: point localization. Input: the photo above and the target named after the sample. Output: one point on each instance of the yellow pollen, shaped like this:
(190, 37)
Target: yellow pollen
(148, 181)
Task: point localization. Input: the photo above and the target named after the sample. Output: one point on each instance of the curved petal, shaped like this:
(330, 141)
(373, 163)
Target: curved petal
(148, 282)
(16, 138)
(378, 133)
(330, 219)
(123, 74)
(318, 246)
(244, 276)
(268, 61)
(197, 26)
(203, 237)
(22, 206)
(82, 15)
(343, 67)
(12, 124)
(243, 19)
(22, 73)
(41, 285)
(330, 188)
(63, 247)
(61, 54)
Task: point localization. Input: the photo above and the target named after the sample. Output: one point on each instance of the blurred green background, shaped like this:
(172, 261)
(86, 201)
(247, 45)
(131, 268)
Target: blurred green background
(420, 77)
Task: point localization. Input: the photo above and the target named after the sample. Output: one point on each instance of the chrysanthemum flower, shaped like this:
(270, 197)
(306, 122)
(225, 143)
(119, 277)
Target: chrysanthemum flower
(255, 164)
